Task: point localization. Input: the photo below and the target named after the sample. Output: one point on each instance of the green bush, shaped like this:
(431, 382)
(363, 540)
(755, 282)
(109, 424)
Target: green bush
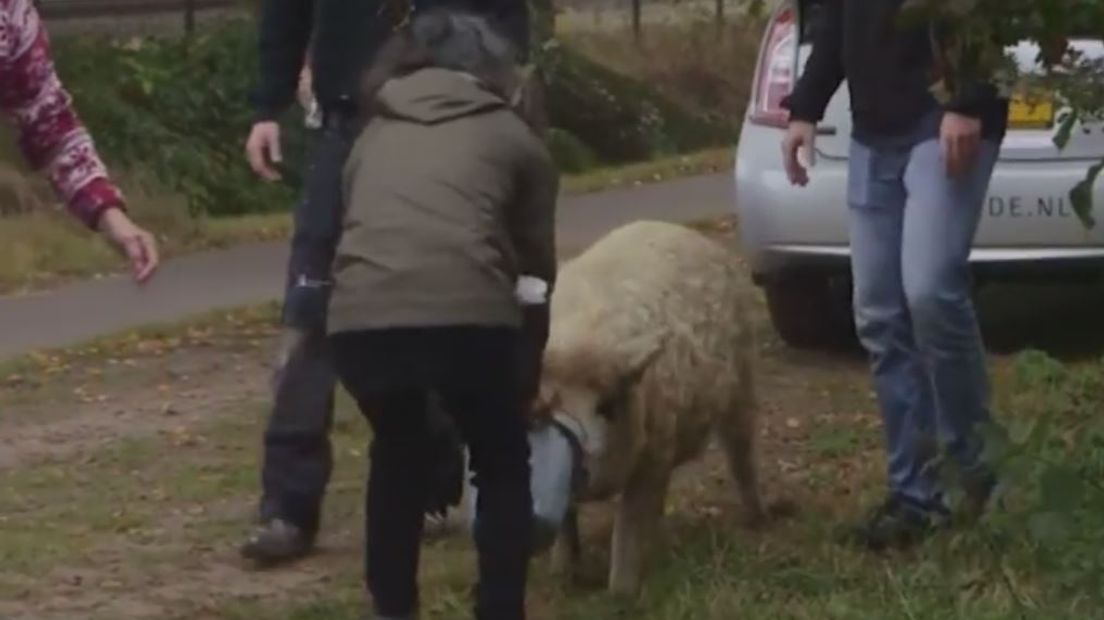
(178, 111)
(619, 118)
(1051, 459)
(571, 154)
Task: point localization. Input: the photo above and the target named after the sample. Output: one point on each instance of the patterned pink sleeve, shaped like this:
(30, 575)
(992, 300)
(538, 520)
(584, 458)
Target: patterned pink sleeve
(51, 135)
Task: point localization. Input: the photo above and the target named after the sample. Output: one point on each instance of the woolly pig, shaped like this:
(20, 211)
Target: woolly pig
(650, 352)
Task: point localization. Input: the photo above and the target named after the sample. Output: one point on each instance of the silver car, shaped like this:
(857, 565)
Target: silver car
(796, 238)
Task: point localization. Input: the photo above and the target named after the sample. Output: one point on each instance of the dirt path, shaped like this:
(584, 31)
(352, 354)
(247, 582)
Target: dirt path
(56, 408)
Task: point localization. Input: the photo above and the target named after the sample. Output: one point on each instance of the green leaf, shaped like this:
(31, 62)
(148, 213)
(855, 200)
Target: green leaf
(1066, 123)
(1081, 196)
(1061, 489)
(998, 444)
(1048, 528)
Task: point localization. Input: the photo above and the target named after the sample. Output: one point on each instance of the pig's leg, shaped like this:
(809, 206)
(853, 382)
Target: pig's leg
(637, 526)
(568, 550)
(737, 435)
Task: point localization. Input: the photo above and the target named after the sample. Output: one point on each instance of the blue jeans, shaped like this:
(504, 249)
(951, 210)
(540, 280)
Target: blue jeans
(912, 227)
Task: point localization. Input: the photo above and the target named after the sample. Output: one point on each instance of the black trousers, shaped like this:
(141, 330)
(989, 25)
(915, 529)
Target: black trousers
(298, 460)
(475, 372)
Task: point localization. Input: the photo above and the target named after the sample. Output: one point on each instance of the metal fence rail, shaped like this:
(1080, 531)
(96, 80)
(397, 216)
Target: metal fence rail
(67, 9)
(131, 16)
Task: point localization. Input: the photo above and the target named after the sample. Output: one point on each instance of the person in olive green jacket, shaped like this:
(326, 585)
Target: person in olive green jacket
(450, 199)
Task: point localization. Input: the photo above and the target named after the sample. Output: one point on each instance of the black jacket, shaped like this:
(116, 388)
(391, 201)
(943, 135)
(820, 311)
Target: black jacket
(888, 71)
(346, 35)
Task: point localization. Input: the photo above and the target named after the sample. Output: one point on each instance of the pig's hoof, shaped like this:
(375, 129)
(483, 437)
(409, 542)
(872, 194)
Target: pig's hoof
(755, 521)
(783, 509)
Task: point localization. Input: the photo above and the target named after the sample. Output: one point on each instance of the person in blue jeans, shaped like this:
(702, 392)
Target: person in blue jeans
(919, 172)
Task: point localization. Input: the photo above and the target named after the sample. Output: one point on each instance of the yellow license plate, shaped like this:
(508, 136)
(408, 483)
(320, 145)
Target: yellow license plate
(1034, 112)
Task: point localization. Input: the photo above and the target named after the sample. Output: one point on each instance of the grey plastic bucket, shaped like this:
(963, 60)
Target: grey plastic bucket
(553, 468)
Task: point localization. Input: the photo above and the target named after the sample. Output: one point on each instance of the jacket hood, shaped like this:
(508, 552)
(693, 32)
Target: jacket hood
(431, 96)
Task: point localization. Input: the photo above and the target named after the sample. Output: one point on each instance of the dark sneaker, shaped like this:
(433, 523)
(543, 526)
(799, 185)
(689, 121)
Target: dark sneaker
(897, 524)
(277, 541)
(978, 497)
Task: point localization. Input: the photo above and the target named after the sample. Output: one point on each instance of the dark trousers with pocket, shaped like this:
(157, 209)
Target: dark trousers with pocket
(298, 460)
(393, 374)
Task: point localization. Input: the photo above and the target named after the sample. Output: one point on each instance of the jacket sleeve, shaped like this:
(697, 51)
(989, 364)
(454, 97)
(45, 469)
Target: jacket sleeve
(51, 136)
(533, 225)
(973, 98)
(823, 72)
(285, 32)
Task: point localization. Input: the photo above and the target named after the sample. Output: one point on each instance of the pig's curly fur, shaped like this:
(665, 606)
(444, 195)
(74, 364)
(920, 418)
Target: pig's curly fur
(652, 324)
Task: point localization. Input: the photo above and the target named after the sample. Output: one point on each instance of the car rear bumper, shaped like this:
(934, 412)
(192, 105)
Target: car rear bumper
(1028, 227)
(990, 263)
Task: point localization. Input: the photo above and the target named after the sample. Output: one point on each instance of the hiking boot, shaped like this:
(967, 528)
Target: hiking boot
(277, 541)
(897, 524)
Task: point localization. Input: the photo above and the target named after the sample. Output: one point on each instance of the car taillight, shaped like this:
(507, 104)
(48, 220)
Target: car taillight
(774, 78)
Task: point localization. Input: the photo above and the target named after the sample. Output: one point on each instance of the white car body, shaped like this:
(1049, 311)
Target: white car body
(796, 237)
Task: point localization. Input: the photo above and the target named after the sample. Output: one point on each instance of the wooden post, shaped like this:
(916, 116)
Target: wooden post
(636, 10)
(189, 18)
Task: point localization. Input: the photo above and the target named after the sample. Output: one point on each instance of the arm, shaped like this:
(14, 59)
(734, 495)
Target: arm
(823, 72)
(974, 99)
(533, 229)
(533, 220)
(285, 31)
(51, 136)
(974, 96)
(962, 126)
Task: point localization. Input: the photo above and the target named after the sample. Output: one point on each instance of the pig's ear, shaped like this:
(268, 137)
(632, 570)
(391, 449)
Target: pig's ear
(639, 353)
(544, 406)
(634, 356)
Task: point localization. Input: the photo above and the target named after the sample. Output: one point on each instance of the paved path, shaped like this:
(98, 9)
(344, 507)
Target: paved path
(254, 273)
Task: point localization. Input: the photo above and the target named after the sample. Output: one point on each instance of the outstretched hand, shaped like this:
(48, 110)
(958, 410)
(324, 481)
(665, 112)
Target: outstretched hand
(139, 246)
